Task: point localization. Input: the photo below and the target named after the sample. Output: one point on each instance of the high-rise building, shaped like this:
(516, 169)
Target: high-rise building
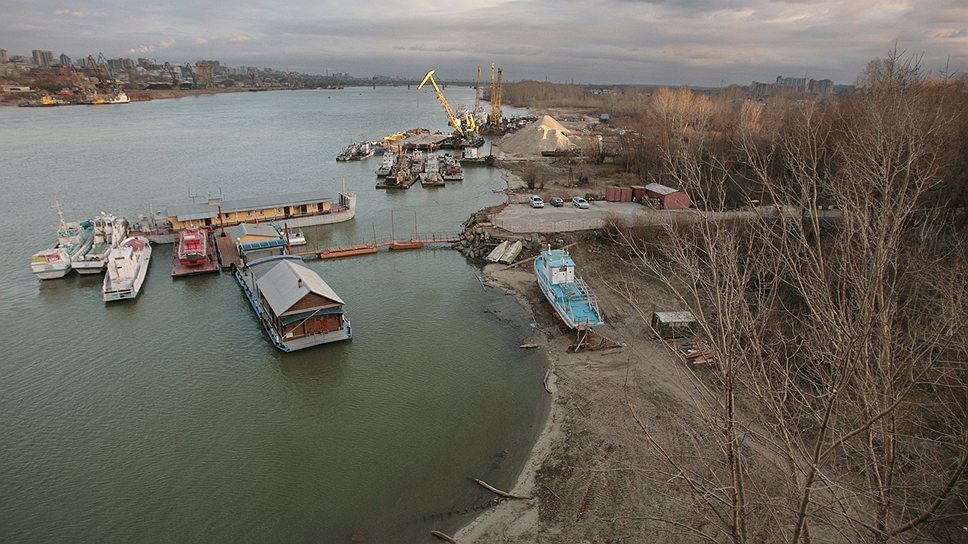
(204, 73)
(65, 60)
(43, 58)
(3, 56)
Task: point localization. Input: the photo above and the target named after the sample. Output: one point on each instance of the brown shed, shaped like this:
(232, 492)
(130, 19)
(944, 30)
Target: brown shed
(671, 198)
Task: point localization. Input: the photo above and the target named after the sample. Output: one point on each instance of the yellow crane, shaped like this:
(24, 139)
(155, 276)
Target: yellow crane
(454, 121)
(496, 91)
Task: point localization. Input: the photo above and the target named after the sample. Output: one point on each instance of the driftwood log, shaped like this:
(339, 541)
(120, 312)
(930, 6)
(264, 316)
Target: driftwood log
(444, 536)
(497, 491)
(547, 375)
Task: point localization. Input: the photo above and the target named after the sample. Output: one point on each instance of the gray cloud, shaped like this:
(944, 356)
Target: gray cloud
(698, 42)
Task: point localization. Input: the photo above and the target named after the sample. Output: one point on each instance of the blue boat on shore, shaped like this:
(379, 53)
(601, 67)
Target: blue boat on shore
(567, 293)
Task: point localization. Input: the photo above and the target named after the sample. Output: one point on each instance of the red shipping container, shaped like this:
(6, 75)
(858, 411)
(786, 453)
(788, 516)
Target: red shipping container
(626, 194)
(638, 192)
(613, 193)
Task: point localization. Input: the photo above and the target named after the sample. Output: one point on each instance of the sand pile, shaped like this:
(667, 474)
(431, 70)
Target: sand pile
(545, 134)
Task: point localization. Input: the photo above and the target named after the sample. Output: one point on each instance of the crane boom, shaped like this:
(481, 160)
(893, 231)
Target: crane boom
(495, 110)
(477, 91)
(454, 122)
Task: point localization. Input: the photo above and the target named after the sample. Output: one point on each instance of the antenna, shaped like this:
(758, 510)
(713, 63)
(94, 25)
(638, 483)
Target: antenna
(192, 195)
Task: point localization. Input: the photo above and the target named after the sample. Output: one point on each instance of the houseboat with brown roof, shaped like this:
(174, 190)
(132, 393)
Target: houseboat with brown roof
(296, 307)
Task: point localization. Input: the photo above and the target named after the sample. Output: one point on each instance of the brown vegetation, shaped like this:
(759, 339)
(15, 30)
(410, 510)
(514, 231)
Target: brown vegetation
(842, 345)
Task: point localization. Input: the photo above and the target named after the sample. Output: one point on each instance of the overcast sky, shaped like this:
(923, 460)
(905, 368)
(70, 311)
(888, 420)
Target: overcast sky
(691, 42)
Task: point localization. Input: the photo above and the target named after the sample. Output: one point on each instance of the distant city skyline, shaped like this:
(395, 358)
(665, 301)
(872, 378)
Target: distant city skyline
(689, 42)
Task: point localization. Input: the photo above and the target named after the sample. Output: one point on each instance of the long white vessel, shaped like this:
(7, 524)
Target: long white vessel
(73, 239)
(127, 267)
(109, 231)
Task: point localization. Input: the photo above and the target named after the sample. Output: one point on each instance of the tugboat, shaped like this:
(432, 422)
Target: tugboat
(452, 170)
(568, 294)
(389, 159)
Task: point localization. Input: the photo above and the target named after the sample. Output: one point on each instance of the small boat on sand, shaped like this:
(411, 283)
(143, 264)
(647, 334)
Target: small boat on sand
(127, 269)
(498, 252)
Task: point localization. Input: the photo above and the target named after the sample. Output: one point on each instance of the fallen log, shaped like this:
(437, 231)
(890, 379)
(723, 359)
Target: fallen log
(497, 491)
(529, 346)
(547, 375)
(444, 537)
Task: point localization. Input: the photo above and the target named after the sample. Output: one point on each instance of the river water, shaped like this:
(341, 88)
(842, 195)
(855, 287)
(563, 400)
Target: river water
(171, 418)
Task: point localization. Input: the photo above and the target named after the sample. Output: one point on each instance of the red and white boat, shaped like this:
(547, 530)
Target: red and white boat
(191, 246)
(193, 253)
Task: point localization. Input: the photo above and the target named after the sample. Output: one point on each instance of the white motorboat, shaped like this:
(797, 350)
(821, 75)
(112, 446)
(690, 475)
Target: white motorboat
(126, 269)
(109, 231)
(73, 239)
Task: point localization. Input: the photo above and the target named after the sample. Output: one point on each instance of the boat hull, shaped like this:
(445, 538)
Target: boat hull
(89, 267)
(52, 273)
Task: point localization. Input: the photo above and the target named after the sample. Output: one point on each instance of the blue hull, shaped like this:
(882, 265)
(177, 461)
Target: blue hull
(572, 301)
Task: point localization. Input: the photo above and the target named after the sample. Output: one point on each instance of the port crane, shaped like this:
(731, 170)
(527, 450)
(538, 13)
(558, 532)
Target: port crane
(461, 128)
(170, 70)
(496, 88)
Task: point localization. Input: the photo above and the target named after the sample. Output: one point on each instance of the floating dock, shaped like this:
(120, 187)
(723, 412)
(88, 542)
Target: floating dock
(228, 253)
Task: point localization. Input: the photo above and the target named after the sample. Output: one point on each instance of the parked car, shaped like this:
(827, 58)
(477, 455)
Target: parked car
(580, 203)
(557, 202)
(536, 201)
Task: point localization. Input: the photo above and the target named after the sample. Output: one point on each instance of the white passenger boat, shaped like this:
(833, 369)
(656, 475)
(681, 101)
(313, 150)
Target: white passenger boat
(73, 239)
(109, 231)
(127, 268)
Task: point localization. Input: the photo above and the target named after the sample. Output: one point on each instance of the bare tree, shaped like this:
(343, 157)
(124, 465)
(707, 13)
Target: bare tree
(839, 335)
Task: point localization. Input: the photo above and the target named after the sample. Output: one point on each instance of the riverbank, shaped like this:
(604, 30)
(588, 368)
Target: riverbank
(592, 473)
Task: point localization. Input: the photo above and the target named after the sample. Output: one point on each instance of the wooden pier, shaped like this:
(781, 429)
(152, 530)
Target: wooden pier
(416, 242)
(228, 253)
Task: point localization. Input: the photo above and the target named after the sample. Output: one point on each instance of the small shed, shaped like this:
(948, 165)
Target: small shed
(671, 199)
(299, 302)
(674, 324)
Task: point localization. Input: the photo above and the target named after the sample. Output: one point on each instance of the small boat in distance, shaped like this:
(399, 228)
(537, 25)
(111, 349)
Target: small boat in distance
(127, 268)
(568, 294)
(73, 240)
(452, 170)
(109, 231)
(389, 159)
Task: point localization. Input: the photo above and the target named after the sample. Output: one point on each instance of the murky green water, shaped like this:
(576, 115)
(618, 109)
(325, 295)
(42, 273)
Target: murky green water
(171, 418)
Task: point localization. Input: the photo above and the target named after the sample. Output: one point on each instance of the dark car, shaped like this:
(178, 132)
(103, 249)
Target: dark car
(557, 202)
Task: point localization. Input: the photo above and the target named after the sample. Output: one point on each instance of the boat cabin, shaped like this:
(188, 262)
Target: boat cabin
(300, 304)
(559, 267)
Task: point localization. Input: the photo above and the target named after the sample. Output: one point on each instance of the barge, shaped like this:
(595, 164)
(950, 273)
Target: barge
(292, 210)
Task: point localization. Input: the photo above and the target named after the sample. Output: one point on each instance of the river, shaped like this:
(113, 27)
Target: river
(171, 418)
